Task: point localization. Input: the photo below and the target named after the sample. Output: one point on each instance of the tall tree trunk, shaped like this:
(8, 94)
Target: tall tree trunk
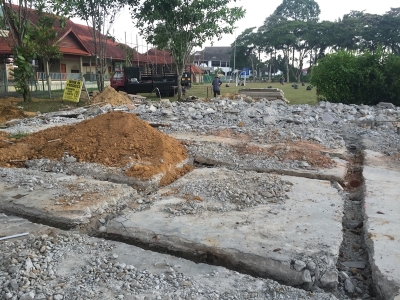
(252, 69)
(179, 72)
(287, 69)
(26, 91)
(270, 68)
(48, 79)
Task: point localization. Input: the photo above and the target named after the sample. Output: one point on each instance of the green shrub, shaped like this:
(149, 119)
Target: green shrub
(367, 78)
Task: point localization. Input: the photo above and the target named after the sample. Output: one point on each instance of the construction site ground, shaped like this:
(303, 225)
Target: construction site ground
(231, 199)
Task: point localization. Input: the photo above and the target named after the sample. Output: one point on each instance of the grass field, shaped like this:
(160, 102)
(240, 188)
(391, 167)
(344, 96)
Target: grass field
(299, 96)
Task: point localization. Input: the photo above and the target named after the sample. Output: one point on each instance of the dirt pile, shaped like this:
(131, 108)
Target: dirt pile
(111, 96)
(115, 139)
(9, 112)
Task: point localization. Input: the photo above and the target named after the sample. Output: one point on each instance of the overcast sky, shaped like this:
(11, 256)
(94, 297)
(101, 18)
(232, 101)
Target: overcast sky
(257, 11)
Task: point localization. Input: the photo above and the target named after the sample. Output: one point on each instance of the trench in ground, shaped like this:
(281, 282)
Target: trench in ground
(354, 281)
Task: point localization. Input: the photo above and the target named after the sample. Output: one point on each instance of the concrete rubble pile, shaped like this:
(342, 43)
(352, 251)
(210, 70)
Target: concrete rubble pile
(273, 194)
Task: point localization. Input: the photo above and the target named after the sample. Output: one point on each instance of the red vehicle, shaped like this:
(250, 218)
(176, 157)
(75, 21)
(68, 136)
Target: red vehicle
(132, 81)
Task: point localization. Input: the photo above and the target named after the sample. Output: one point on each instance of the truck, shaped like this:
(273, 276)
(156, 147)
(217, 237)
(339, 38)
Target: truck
(132, 81)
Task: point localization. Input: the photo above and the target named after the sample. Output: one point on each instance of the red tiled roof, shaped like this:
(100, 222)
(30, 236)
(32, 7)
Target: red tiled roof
(81, 34)
(73, 51)
(155, 56)
(84, 45)
(194, 69)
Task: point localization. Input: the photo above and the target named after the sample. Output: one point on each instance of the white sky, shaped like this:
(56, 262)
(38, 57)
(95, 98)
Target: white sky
(256, 12)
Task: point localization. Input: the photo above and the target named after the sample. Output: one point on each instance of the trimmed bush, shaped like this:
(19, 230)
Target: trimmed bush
(367, 78)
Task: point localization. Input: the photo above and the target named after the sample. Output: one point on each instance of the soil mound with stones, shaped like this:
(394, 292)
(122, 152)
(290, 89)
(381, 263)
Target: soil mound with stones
(115, 139)
(111, 96)
(10, 112)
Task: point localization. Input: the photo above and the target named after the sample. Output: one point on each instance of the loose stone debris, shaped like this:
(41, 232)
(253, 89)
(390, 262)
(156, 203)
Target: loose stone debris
(255, 145)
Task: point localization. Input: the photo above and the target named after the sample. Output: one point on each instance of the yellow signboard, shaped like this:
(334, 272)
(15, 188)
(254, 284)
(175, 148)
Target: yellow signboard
(73, 90)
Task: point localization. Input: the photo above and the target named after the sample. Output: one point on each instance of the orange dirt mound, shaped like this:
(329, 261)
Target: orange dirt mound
(113, 139)
(9, 112)
(111, 96)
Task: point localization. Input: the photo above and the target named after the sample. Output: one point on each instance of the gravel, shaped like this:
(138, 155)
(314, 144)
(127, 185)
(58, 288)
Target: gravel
(34, 268)
(69, 265)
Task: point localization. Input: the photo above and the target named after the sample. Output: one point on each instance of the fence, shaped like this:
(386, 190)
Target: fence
(58, 82)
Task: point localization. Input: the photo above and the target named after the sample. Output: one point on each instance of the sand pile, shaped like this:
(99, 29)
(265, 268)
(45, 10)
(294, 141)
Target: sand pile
(111, 96)
(115, 139)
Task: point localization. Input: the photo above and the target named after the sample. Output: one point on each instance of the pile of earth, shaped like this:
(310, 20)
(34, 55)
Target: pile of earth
(115, 139)
(111, 96)
(10, 112)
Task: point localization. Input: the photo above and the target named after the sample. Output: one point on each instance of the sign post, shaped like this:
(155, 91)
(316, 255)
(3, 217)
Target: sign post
(73, 90)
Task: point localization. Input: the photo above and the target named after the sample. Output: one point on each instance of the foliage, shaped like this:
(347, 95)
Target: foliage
(367, 78)
(20, 43)
(299, 10)
(181, 25)
(29, 41)
(244, 45)
(18, 135)
(45, 39)
(99, 16)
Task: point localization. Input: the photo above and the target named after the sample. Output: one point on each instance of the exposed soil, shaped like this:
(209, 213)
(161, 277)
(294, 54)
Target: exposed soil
(10, 112)
(115, 139)
(229, 133)
(302, 151)
(111, 96)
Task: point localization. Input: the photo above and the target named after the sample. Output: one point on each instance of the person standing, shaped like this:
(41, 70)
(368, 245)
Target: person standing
(282, 80)
(216, 83)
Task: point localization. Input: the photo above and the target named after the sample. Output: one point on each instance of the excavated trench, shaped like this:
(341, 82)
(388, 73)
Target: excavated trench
(355, 277)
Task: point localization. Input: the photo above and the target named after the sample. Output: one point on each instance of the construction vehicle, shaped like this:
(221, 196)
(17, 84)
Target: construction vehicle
(132, 81)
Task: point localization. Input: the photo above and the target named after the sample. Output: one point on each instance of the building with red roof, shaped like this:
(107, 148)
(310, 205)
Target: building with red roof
(78, 52)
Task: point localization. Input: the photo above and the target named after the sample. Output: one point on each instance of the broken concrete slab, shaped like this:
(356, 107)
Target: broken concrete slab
(59, 198)
(334, 173)
(382, 222)
(98, 172)
(13, 225)
(265, 239)
(260, 93)
(337, 173)
(75, 266)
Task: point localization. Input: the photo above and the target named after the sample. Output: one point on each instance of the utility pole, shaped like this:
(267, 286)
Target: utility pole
(234, 56)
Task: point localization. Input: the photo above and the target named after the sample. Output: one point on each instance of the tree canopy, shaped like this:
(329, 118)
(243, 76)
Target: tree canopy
(181, 25)
(29, 41)
(100, 16)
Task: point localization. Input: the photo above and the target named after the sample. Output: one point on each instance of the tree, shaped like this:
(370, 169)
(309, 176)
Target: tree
(181, 25)
(318, 37)
(99, 16)
(248, 49)
(390, 28)
(299, 10)
(288, 27)
(17, 18)
(45, 39)
(267, 40)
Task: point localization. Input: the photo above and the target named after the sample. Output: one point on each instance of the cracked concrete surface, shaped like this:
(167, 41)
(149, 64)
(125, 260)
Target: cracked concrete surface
(264, 240)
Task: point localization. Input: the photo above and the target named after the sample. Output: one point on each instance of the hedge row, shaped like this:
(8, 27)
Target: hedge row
(367, 78)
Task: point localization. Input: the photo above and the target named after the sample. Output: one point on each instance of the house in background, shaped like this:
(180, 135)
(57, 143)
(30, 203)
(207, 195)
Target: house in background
(196, 72)
(211, 59)
(78, 54)
(77, 49)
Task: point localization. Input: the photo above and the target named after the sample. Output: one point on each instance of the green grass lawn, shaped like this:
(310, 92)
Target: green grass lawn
(299, 96)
